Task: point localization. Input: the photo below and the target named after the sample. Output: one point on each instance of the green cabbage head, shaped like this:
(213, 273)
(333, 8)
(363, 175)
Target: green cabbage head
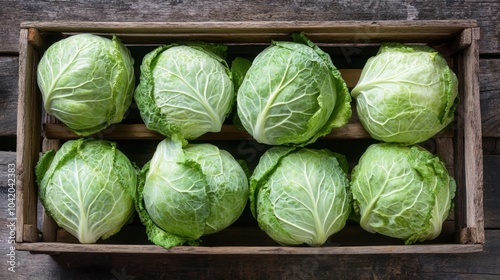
(406, 94)
(300, 195)
(87, 82)
(189, 190)
(185, 89)
(88, 187)
(402, 192)
(292, 94)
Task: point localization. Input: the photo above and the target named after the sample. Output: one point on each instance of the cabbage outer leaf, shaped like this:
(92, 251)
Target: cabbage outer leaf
(175, 192)
(88, 187)
(185, 90)
(87, 82)
(300, 195)
(189, 190)
(292, 94)
(402, 192)
(406, 94)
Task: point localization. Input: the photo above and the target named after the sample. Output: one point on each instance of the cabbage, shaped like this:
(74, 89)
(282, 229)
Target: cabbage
(189, 190)
(88, 187)
(87, 82)
(292, 94)
(300, 195)
(406, 94)
(402, 192)
(185, 89)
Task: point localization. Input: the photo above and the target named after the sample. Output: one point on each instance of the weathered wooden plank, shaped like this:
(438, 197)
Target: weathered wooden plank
(367, 28)
(6, 159)
(491, 146)
(15, 12)
(8, 95)
(492, 191)
(28, 142)
(356, 33)
(489, 73)
(473, 143)
(228, 132)
(250, 250)
(473, 266)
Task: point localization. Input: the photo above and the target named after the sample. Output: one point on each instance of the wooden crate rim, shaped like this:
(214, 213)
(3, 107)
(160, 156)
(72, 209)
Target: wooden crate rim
(57, 247)
(423, 26)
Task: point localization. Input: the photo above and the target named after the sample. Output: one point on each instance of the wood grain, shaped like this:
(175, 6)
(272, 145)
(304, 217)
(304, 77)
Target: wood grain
(8, 95)
(228, 132)
(253, 250)
(15, 12)
(491, 191)
(28, 142)
(230, 27)
(473, 153)
(489, 73)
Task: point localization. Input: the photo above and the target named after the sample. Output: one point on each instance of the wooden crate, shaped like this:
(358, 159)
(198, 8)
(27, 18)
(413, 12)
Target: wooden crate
(350, 43)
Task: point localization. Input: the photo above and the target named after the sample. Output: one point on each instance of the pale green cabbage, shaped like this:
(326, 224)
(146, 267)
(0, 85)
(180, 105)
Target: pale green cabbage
(87, 82)
(189, 190)
(402, 192)
(300, 195)
(185, 89)
(292, 94)
(406, 94)
(88, 187)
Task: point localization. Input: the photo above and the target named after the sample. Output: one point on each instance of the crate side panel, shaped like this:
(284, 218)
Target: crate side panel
(28, 141)
(473, 138)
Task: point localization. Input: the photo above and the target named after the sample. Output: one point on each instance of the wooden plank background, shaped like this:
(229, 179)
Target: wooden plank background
(484, 265)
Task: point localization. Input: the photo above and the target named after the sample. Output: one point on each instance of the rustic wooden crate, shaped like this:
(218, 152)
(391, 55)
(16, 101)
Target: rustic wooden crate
(349, 43)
